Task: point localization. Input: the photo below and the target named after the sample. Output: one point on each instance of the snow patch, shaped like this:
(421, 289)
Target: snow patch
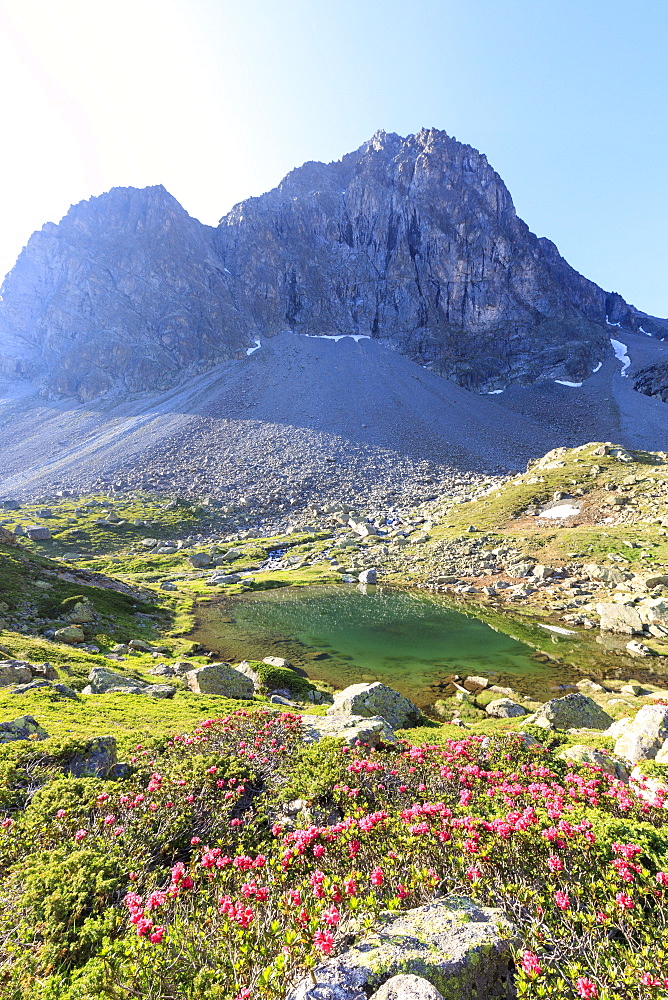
(563, 510)
(612, 324)
(493, 392)
(339, 336)
(621, 355)
(252, 350)
(574, 385)
(644, 331)
(555, 628)
(597, 368)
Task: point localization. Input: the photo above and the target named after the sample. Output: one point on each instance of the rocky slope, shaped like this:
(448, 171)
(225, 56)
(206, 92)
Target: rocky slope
(414, 242)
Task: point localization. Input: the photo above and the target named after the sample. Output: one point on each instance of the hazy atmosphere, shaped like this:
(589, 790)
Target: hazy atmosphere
(218, 100)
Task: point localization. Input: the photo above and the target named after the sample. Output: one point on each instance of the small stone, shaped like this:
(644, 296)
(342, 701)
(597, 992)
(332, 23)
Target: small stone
(95, 760)
(368, 576)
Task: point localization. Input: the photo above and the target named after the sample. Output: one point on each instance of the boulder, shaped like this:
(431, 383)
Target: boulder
(619, 618)
(541, 572)
(651, 580)
(376, 699)
(95, 760)
(38, 533)
(652, 789)
(407, 987)
(352, 730)
(23, 728)
(637, 649)
(463, 950)
(505, 708)
(159, 690)
(245, 668)
(83, 613)
(277, 661)
(220, 580)
(141, 645)
(199, 560)
(580, 754)
(476, 682)
(608, 574)
(71, 634)
(31, 686)
(645, 735)
(520, 569)
(65, 691)
(43, 670)
(574, 711)
(14, 672)
(102, 681)
(368, 576)
(219, 678)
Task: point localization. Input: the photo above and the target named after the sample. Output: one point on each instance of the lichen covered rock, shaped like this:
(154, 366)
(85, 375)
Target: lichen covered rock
(462, 949)
(219, 678)
(574, 711)
(376, 700)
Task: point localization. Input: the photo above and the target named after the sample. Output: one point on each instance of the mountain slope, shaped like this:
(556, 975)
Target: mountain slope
(414, 242)
(312, 419)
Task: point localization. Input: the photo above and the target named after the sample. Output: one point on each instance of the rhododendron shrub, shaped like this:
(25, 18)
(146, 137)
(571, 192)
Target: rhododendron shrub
(209, 889)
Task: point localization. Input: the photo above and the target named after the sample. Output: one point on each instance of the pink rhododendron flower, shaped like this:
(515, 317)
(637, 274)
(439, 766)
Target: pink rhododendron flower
(323, 941)
(562, 900)
(586, 988)
(530, 963)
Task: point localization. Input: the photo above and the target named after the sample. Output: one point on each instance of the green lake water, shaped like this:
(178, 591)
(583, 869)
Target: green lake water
(343, 635)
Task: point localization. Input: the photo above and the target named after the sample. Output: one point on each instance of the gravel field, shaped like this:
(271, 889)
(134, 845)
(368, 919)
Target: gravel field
(314, 419)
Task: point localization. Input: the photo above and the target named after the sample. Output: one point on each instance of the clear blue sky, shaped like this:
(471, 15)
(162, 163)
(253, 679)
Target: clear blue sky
(218, 99)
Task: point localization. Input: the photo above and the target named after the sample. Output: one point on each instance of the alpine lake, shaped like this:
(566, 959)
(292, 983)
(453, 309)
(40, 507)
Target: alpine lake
(413, 641)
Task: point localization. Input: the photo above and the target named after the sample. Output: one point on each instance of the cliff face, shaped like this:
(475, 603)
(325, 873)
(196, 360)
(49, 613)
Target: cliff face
(126, 288)
(412, 241)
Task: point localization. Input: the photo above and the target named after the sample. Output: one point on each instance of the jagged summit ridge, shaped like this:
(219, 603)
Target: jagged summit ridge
(413, 241)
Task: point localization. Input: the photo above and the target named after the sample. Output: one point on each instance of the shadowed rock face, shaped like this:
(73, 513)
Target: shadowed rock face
(412, 241)
(653, 381)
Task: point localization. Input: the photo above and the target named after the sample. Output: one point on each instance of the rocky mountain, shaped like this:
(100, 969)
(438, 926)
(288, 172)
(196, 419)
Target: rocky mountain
(128, 287)
(411, 241)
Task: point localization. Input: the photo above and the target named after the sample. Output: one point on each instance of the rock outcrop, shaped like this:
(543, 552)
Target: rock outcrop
(462, 949)
(412, 241)
(127, 289)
